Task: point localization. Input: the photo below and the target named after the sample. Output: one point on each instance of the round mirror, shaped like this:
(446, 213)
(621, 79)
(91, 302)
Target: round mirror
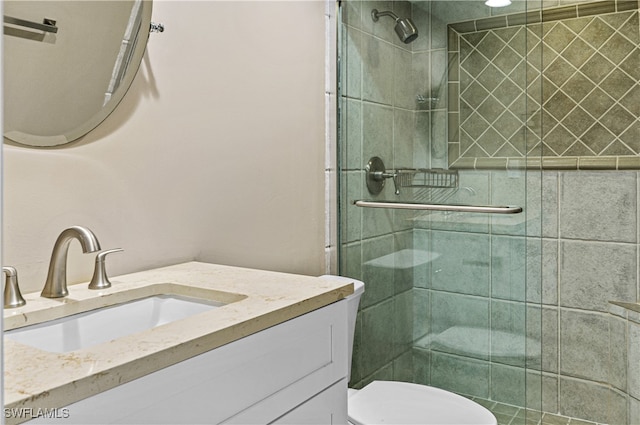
(67, 65)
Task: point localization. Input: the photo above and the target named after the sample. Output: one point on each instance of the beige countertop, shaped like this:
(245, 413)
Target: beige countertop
(257, 300)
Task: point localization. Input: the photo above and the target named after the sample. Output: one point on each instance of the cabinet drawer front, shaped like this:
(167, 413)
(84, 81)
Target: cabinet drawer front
(327, 408)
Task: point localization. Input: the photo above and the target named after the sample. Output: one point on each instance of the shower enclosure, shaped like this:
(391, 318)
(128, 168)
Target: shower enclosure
(452, 296)
(529, 109)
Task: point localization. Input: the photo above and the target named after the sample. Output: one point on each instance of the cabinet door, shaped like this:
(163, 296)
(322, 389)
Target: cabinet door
(254, 380)
(313, 345)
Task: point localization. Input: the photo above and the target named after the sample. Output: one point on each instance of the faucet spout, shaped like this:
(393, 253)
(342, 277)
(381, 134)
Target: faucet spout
(56, 284)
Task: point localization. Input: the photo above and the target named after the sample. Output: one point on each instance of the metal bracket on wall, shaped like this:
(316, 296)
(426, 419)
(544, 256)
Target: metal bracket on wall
(47, 25)
(153, 27)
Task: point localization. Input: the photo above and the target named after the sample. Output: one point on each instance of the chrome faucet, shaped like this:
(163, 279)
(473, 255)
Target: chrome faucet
(56, 284)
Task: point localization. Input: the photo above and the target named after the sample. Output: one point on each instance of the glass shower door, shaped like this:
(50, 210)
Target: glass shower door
(431, 134)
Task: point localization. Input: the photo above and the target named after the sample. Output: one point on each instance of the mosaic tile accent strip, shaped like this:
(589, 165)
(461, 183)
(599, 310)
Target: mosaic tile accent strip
(562, 92)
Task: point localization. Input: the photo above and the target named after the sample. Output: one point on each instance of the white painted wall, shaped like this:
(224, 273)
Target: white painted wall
(215, 154)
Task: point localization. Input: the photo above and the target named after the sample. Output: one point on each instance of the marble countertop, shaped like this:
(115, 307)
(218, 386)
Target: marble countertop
(257, 300)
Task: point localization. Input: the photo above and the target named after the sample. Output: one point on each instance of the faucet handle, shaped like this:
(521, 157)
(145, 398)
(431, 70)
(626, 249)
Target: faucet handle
(100, 279)
(12, 296)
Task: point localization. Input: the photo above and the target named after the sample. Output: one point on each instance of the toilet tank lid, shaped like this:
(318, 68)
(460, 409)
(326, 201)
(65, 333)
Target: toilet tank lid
(358, 286)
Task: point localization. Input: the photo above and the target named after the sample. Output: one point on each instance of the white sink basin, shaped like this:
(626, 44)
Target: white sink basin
(94, 327)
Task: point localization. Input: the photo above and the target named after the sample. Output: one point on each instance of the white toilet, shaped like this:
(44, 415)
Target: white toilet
(388, 402)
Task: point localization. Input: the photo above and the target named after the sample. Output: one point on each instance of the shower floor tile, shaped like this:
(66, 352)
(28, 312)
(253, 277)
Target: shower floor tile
(514, 415)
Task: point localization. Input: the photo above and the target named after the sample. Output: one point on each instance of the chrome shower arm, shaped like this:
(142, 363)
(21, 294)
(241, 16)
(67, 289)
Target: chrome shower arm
(375, 15)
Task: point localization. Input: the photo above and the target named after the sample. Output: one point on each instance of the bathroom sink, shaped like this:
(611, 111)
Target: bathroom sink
(104, 324)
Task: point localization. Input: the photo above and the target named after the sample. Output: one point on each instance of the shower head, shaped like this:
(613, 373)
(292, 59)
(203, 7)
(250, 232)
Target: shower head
(405, 28)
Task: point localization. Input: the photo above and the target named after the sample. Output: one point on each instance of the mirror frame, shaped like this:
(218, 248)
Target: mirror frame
(30, 140)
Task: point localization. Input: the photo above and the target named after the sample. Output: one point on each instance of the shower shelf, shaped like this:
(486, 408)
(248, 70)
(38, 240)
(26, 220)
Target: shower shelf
(432, 178)
(427, 177)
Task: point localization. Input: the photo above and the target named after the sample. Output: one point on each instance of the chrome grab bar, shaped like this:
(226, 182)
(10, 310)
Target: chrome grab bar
(47, 25)
(487, 209)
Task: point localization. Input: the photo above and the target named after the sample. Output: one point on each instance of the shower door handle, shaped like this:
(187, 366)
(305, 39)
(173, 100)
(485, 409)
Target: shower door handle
(486, 209)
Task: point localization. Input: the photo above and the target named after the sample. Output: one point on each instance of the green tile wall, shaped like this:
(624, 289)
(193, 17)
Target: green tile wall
(560, 91)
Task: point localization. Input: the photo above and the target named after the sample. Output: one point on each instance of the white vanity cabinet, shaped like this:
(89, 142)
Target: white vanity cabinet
(291, 373)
